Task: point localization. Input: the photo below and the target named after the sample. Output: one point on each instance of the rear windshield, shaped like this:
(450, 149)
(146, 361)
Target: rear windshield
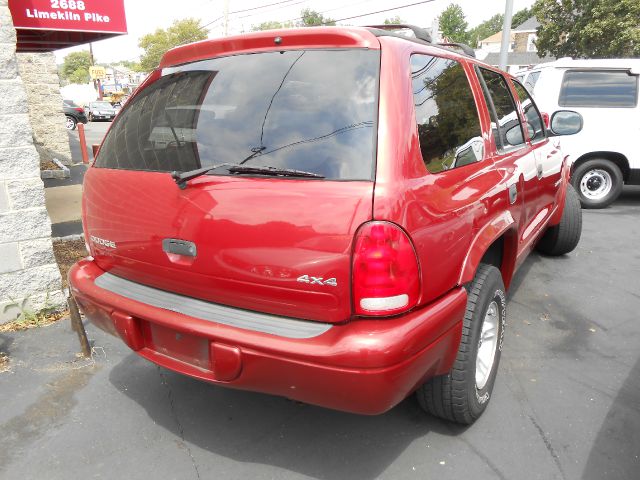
(310, 110)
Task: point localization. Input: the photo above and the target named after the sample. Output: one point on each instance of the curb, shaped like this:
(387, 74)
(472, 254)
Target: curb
(64, 171)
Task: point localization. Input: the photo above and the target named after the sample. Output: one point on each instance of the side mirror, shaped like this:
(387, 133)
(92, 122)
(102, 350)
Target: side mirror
(565, 122)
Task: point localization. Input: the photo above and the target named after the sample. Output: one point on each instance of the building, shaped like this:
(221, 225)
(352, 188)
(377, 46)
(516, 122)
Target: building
(523, 52)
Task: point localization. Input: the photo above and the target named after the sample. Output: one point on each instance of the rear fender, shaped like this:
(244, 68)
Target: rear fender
(487, 235)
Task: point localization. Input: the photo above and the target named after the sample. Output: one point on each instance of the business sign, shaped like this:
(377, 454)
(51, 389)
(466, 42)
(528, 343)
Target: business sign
(97, 73)
(104, 16)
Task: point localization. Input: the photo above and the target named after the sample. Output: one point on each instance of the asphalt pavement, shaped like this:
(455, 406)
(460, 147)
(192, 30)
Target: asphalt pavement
(566, 403)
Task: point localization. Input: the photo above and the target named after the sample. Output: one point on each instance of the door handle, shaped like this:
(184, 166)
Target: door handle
(179, 247)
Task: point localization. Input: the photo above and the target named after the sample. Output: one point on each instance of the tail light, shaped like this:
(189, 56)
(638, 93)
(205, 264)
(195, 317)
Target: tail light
(79, 109)
(386, 279)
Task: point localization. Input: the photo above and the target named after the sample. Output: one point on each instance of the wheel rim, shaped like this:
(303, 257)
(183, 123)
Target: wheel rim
(70, 123)
(596, 184)
(487, 345)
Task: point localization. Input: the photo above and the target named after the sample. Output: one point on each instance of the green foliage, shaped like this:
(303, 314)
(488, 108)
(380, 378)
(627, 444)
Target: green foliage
(453, 24)
(393, 20)
(156, 44)
(311, 18)
(308, 18)
(588, 28)
(272, 25)
(75, 67)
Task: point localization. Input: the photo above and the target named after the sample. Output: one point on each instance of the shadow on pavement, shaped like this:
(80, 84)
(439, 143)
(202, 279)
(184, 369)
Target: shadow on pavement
(263, 429)
(616, 451)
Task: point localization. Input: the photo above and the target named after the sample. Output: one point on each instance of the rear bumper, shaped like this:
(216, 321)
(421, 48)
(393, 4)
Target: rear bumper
(363, 366)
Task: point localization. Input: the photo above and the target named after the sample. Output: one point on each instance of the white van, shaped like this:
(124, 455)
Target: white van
(605, 153)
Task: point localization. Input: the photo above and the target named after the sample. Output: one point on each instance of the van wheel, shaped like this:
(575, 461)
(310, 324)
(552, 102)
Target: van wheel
(598, 183)
(564, 237)
(463, 394)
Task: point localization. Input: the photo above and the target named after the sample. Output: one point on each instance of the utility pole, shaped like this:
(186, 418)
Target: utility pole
(96, 82)
(226, 17)
(506, 34)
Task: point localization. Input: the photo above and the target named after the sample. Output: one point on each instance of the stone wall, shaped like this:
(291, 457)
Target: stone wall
(29, 275)
(39, 75)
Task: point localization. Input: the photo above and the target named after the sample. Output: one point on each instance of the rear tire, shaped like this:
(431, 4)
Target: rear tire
(598, 183)
(463, 394)
(565, 236)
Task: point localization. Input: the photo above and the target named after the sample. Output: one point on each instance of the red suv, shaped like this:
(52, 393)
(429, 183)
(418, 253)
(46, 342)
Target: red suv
(327, 214)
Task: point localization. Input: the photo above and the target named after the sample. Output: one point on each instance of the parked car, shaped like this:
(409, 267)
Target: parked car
(316, 234)
(603, 155)
(73, 114)
(100, 111)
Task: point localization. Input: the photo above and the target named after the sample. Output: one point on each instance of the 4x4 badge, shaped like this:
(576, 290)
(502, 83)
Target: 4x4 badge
(332, 282)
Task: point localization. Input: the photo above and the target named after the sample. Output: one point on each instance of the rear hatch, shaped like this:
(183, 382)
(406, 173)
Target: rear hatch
(276, 242)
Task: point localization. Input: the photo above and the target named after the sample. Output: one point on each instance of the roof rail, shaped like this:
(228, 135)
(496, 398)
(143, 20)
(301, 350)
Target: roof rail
(419, 32)
(466, 49)
(422, 34)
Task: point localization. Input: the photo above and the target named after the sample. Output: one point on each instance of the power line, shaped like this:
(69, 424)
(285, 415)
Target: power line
(382, 11)
(250, 9)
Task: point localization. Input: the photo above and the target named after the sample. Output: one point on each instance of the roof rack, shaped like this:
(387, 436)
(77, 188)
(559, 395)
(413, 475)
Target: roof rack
(422, 34)
(466, 49)
(419, 32)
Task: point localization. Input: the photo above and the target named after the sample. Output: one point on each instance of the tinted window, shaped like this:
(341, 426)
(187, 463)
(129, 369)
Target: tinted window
(307, 110)
(598, 88)
(446, 114)
(506, 126)
(531, 113)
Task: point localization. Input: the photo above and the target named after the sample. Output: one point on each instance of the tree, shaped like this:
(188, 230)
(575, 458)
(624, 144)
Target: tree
(308, 18)
(311, 18)
(75, 67)
(588, 28)
(393, 20)
(453, 24)
(157, 43)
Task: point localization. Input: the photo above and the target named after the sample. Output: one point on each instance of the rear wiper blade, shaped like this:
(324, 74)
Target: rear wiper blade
(273, 171)
(182, 178)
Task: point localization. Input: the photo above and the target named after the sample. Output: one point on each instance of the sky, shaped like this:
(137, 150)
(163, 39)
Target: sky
(146, 16)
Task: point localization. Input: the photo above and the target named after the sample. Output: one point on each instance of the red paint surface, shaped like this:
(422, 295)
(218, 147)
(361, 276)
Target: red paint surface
(255, 236)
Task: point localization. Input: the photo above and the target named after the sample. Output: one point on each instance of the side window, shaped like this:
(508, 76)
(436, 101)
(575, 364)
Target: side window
(505, 121)
(598, 88)
(446, 114)
(531, 113)
(531, 81)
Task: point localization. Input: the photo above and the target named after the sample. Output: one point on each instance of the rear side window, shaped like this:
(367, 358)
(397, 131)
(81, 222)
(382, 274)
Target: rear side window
(598, 88)
(505, 121)
(310, 110)
(446, 114)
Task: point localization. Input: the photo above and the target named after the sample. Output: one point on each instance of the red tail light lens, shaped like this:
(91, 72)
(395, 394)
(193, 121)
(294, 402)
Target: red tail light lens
(79, 109)
(386, 279)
